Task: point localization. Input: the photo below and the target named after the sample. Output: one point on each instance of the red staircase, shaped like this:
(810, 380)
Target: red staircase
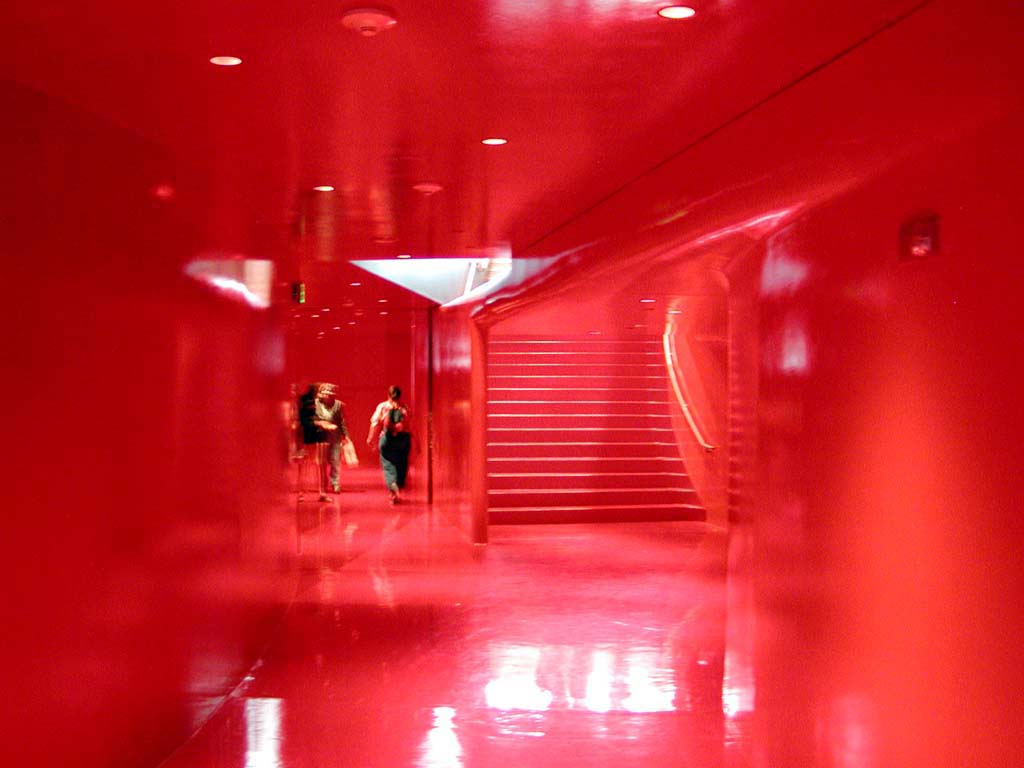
(579, 430)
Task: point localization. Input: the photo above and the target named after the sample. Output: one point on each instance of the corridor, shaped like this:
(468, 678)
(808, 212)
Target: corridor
(706, 318)
(593, 644)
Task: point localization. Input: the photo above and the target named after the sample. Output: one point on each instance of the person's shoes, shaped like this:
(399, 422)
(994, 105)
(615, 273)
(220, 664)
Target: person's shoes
(324, 497)
(335, 489)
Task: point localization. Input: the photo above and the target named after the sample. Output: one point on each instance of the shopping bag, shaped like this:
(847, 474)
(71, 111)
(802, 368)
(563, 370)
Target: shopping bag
(351, 458)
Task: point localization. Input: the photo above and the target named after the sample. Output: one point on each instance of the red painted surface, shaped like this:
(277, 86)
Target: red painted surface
(868, 416)
(453, 431)
(562, 643)
(148, 545)
(885, 528)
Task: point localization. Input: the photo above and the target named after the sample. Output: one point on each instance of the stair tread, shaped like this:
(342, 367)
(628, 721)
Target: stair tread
(597, 506)
(674, 459)
(584, 474)
(631, 489)
(645, 430)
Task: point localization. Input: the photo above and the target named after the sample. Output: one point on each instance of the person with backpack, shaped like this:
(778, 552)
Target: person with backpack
(389, 433)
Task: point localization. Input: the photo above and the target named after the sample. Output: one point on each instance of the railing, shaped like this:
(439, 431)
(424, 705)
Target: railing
(678, 386)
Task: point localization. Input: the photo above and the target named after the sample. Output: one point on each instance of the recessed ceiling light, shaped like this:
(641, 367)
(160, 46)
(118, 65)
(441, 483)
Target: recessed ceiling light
(163, 191)
(593, 333)
(427, 187)
(384, 313)
(382, 301)
(677, 12)
(355, 285)
(494, 141)
(646, 301)
(226, 61)
(351, 322)
(368, 21)
(326, 309)
(336, 328)
(675, 311)
(405, 255)
(323, 188)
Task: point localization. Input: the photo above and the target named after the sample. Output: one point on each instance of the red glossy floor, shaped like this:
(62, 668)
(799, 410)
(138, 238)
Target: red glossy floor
(598, 645)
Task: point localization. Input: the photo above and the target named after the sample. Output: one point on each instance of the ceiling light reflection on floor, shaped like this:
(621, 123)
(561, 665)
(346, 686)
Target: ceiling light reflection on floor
(441, 747)
(263, 733)
(514, 686)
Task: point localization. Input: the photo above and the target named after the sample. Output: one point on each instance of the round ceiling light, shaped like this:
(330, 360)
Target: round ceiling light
(677, 12)
(323, 188)
(494, 141)
(368, 21)
(405, 255)
(428, 187)
(226, 61)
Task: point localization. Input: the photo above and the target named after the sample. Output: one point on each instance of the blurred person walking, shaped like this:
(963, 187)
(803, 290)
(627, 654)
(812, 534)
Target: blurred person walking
(389, 433)
(330, 417)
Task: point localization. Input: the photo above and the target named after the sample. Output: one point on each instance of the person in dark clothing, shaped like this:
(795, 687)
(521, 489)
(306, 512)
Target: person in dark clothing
(389, 433)
(313, 434)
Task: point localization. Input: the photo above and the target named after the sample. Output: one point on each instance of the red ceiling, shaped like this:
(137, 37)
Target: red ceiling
(590, 93)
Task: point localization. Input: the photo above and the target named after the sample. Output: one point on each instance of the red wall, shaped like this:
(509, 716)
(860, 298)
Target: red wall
(888, 517)
(459, 411)
(874, 418)
(148, 546)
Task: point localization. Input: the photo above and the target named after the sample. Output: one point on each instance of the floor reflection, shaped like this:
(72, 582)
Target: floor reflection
(263, 733)
(601, 645)
(441, 748)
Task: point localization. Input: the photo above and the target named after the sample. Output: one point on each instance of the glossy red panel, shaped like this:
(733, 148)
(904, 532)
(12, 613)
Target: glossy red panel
(149, 544)
(796, 227)
(409, 649)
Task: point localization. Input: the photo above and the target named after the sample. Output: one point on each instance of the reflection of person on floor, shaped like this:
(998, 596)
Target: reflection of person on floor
(331, 419)
(389, 432)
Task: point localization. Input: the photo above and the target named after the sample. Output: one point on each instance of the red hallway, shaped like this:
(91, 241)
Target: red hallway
(706, 321)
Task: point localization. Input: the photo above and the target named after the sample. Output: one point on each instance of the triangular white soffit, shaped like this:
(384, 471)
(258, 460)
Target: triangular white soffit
(453, 280)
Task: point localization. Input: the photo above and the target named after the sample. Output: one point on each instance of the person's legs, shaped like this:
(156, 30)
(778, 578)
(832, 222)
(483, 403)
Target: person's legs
(401, 459)
(334, 464)
(387, 464)
(321, 470)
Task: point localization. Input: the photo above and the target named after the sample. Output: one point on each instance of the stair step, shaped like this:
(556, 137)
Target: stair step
(597, 464)
(638, 451)
(574, 480)
(570, 497)
(588, 369)
(504, 343)
(598, 380)
(546, 407)
(562, 394)
(595, 514)
(550, 421)
(572, 434)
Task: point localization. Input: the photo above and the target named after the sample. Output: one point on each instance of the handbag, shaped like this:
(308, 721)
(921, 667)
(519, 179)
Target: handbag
(351, 457)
